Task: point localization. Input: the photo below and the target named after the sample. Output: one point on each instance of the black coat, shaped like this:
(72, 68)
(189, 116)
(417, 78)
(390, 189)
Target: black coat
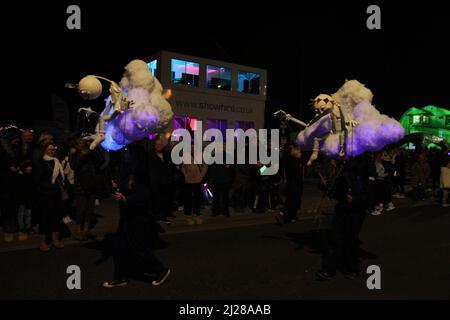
(43, 173)
(162, 171)
(85, 168)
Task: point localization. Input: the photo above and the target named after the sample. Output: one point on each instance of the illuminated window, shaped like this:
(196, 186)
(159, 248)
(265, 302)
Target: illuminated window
(416, 119)
(218, 78)
(153, 66)
(185, 72)
(425, 119)
(218, 124)
(248, 82)
(189, 123)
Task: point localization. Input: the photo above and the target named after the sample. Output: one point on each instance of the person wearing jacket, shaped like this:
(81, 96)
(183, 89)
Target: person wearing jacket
(293, 171)
(220, 177)
(162, 181)
(445, 184)
(192, 190)
(9, 169)
(25, 199)
(49, 179)
(83, 162)
(133, 242)
(420, 171)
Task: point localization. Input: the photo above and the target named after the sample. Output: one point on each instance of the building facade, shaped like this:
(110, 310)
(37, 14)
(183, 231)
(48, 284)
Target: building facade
(222, 95)
(429, 120)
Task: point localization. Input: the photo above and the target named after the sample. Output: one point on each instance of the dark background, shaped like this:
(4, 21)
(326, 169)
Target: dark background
(307, 48)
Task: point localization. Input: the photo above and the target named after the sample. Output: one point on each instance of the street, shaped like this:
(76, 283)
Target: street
(411, 245)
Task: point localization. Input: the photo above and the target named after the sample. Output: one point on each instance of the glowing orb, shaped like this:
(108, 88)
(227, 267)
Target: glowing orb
(90, 88)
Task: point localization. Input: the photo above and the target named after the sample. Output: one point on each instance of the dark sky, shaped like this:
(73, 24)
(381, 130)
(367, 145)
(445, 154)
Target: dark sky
(307, 49)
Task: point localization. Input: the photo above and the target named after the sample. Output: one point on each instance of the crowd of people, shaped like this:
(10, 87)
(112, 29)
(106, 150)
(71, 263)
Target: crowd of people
(49, 184)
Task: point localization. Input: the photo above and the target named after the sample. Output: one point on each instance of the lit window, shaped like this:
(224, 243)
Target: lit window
(189, 123)
(153, 65)
(185, 72)
(248, 82)
(416, 119)
(425, 119)
(218, 124)
(218, 78)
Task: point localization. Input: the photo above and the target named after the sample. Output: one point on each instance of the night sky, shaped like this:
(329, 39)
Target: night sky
(307, 49)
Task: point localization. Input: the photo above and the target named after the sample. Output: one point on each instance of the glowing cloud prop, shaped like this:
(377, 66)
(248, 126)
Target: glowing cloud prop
(148, 113)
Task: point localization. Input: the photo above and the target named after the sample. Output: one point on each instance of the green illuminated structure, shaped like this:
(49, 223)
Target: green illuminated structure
(430, 120)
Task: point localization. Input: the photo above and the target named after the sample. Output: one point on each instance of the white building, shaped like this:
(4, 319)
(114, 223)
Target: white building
(222, 95)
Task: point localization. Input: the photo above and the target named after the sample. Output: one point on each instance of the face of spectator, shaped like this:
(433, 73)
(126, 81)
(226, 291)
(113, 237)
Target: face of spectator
(81, 144)
(421, 157)
(50, 150)
(15, 142)
(159, 146)
(28, 169)
(27, 136)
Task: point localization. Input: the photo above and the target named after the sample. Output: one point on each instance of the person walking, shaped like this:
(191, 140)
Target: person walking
(132, 245)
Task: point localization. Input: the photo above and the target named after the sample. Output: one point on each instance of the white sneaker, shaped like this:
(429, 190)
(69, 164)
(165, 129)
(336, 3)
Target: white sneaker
(390, 206)
(375, 212)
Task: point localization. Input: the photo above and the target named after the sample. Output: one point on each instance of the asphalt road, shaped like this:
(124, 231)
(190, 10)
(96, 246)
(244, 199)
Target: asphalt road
(410, 245)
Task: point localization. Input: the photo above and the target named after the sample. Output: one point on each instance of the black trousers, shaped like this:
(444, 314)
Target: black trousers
(132, 250)
(293, 201)
(342, 251)
(192, 196)
(163, 202)
(85, 206)
(221, 199)
(51, 208)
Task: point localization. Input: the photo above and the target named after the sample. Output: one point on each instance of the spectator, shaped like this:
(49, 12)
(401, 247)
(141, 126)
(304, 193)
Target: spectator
(49, 179)
(400, 160)
(435, 163)
(84, 164)
(192, 192)
(445, 184)
(27, 145)
(220, 178)
(293, 170)
(69, 175)
(9, 166)
(26, 197)
(44, 140)
(162, 181)
(420, 171)
(242, 187)
(383, 196)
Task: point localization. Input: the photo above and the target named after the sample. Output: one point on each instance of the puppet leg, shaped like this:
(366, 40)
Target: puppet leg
(100, 134)
(315, 153)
